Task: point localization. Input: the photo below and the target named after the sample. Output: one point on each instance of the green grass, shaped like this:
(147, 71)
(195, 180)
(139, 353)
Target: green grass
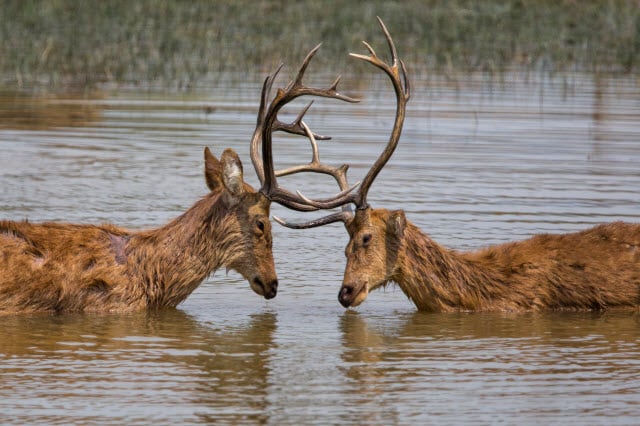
(183, 43)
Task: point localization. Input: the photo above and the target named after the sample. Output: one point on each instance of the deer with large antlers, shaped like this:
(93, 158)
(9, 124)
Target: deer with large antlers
(55, 267)
(595, 269)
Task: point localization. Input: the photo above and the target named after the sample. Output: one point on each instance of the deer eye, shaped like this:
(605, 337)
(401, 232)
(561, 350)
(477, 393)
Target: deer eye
(366, 239)
(260, 226)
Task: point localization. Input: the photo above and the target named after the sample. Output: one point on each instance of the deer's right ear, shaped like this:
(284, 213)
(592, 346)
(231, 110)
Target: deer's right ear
(212, 170)
(232, 176)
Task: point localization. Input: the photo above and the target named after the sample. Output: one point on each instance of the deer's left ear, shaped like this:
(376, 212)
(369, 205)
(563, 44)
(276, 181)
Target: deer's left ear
(232, 172)
(397, 222)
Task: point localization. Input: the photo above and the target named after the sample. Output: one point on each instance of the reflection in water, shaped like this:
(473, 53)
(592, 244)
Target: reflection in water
(26, 111)
(363, 364)
(130, 368)
(524, 366)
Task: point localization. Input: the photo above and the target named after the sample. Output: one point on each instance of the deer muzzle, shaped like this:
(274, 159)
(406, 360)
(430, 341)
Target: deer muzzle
(351, 295)
(267, 289)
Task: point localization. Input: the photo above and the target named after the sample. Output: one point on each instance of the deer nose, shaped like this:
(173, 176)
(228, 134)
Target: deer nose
(271, 289)
(268, 289)
(345, 296)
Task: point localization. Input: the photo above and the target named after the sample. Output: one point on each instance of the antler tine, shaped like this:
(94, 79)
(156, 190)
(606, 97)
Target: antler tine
(305, 63)
(392, 46)
(295, 128)
(314, 165)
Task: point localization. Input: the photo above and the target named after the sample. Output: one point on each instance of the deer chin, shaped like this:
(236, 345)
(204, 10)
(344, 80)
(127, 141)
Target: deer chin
(265, 288)
(360, 297)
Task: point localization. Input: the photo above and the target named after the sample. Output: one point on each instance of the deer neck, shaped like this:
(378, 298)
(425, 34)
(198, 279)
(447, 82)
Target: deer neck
(439, 279)
(171, 261)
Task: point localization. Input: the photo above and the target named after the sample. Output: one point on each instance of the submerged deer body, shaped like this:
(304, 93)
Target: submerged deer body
(594, 269)
(67, 267)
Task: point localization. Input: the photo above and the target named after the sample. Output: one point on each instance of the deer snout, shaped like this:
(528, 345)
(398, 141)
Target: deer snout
(345, 295)
(352, 295)
(269, 289)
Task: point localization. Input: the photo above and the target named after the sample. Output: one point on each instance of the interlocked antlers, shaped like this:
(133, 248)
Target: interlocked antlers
(268, 123)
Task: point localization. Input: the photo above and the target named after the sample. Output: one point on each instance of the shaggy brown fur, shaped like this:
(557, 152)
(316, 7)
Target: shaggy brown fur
(595, 269)
(67, 267)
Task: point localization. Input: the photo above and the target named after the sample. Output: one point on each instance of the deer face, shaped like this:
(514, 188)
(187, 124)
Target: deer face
(256, 262)
(372, 252)
(248, 225)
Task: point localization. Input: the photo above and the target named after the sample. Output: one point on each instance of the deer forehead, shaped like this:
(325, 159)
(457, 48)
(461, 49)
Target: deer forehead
(258, 210)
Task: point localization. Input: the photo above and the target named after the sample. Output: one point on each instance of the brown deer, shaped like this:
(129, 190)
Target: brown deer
(53, 267)
(595, 269)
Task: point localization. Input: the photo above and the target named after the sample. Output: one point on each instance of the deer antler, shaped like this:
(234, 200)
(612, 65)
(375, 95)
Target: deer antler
(397, 73)
(268, 122)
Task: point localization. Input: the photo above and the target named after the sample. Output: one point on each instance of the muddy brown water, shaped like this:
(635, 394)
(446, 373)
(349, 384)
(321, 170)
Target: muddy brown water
(480, 162)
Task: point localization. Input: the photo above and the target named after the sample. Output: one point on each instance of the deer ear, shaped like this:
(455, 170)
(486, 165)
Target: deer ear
(398, 222)
(232, 172)
(212, 170)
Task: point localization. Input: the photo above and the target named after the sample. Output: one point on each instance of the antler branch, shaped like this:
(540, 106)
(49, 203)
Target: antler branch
(268, 122)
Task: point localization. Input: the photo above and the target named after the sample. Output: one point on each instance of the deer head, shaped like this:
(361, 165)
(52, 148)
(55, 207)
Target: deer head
(248, 211)
(375, 236)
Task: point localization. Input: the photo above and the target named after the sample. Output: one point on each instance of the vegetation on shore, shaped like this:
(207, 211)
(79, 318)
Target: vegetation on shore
(184, 43)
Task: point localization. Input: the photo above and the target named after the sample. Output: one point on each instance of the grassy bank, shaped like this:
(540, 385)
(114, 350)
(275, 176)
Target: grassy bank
(182, 43)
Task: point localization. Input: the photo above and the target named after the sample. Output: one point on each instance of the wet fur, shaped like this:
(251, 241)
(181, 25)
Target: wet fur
(67, 267)
(594, 269)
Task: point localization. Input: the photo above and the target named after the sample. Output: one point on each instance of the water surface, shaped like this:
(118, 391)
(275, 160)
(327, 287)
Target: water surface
(480, 162)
